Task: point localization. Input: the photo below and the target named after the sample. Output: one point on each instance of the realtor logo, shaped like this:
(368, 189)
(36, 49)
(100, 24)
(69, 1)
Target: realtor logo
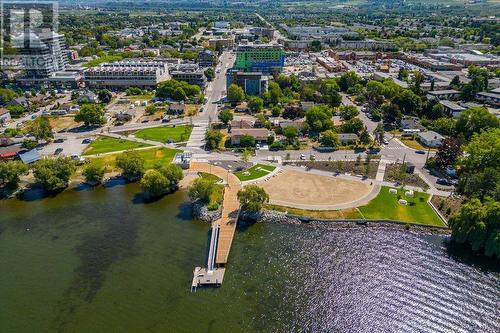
(25, 26)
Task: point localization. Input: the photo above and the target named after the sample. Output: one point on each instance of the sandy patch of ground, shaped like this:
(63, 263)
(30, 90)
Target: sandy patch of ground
(310, 189)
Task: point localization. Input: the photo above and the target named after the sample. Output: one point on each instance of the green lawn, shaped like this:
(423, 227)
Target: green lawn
(152, 157)
(107, 145)
(257, 171)
(162, 134)
(386, 206)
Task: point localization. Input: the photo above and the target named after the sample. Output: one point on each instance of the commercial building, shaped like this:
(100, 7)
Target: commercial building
(207, 59)
(374, 45)
(130, 73)
(253, 83)
(324, 34)
(221, 43)
(191, 73)
(265, 58)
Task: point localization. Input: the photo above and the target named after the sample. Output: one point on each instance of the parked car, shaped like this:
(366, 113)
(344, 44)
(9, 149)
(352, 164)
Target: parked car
(302, 156)
(58, 151)
(444, 181)
(386, 142)
(86, 141)
(421, 152)
(165, 119)
(59, 140)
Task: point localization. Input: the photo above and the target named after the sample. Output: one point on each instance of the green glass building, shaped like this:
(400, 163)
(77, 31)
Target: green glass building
(265, 58)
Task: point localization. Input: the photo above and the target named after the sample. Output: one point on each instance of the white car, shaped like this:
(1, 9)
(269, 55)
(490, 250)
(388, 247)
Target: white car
(302, 156)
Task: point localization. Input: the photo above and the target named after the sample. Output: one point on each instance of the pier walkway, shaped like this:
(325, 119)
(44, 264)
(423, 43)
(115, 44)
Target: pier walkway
(223, 229)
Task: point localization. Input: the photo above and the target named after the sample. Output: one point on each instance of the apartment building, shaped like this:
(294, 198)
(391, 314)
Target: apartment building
(129, 73)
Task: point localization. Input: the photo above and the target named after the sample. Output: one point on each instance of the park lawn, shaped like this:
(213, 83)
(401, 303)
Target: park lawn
(386, 206)
(107, 145)
(152, 157)
(140, 97)
(257, 171)
(162, 134)
(350, 213)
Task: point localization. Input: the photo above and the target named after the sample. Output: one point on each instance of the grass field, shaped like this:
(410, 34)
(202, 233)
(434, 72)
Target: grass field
(140, 97)
(352, 213)
(162, 134)
(152, 158)
(257, 171)
(107, 145)
(386, 206)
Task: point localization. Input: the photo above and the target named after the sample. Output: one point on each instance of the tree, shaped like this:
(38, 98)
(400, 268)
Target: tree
(474, 120)
(403, 74)
(206, 190)
(449, 151)
(408, 102)
(150, 109)
(179, 94)
(319, 118)
(277, 111)
(444, 126)
(225, 116)
(480, 174)
(213, 138)
(379, 133)
(478, 225)
(235, 94)
(154, 184)
(40, 128)
(247, 141)
(348, 80)
(173, 173)
(105, 96)
(252, 198)
(9, 174)
(132, 165)
(255, 104)
(391, 115)
(354, 125)
(437, 111)
(330, 139)
(29, 144)
(94, 173)
(53, 174)
(348, 112)
(245, 155)
(91, 115)
(290, 133)
(210, 74)
(275, 93)
(455, 83)
(316, 46)
(364, 136)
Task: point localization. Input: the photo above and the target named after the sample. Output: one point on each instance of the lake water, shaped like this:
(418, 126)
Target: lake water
(102, 260)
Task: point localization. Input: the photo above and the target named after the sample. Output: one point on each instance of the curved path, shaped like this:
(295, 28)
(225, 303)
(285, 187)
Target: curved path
(230, 208)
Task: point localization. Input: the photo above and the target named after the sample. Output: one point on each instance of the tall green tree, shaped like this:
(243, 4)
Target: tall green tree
(53, 174)
(41, 129)
(235, 94)
(132, 165)
(9, 174)
(91, 114)
(252, 198)
(225, 116)
(474, 120)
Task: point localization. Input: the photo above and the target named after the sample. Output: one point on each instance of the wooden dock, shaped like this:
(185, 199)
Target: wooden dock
(223, 230)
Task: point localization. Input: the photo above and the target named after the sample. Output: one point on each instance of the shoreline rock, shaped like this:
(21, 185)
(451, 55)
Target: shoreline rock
(201, 212)
(270, 216)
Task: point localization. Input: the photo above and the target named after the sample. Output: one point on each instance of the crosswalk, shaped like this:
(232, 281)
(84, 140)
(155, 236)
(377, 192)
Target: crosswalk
(197, 139)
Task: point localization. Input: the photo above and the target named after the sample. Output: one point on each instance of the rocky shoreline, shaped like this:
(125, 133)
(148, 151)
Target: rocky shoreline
(201, 212)
(270, 216)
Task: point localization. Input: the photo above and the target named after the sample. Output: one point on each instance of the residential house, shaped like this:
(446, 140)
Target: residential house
(125, 115)
(177, 108)
(411, 125)
(452, 108)
(449, 94)
(297, 123)
(4, 116)
(347, 138)
(259, 134)
(87, 96)
(430, 139)
(23, 101)
(490, 98)
(241, 123)
(242, 107)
